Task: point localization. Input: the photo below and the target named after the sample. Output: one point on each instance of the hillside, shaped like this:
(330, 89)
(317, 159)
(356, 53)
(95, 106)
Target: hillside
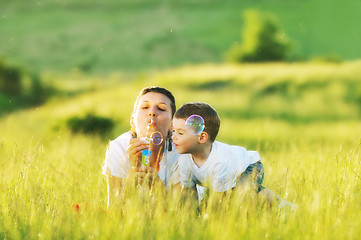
(298, 94)
(136, 35)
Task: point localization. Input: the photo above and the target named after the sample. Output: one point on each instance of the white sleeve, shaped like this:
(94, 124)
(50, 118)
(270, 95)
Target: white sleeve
(185, 174)
(254, 156)
(241, 160)
(116, 160)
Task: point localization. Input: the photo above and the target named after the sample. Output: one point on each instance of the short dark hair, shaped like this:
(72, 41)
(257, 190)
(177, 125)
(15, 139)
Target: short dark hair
(156, 89)
(212, 121)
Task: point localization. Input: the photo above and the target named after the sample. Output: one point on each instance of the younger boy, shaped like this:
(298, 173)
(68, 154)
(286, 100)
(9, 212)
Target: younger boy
(206, 161)
(209, 163)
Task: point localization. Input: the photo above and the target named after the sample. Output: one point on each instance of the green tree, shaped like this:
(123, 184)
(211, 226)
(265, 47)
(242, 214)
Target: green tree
(10, 79)
(20, 88)
(263, 40)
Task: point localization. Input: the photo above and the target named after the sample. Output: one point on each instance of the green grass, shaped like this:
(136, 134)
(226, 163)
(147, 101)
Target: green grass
(134, 35)
(312, 158)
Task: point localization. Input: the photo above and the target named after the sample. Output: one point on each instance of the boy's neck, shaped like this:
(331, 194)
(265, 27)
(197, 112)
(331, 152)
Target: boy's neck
(201, 155)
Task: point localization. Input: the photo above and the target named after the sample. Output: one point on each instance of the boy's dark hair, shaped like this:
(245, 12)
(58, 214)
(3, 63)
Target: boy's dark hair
(210, 116)
(161, 90)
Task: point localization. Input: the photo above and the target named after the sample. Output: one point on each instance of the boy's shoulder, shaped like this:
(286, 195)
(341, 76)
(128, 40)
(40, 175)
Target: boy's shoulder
(227, 148)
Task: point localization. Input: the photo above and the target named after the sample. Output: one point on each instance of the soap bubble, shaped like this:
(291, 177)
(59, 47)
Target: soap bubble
(195, 124)
(157, 138)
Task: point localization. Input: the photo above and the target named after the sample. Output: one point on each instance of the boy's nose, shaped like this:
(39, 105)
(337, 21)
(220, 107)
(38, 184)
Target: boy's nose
(151, 114)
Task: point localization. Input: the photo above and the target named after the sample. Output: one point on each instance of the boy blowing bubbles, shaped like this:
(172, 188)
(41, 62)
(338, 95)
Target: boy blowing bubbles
(212, 164)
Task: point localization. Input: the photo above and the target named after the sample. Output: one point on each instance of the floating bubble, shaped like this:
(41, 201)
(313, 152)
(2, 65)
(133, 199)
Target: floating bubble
(157, 138)
(194, 124)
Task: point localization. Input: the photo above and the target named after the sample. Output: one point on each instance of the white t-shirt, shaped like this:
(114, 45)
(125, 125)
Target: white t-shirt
(224, 164)
(117, 161)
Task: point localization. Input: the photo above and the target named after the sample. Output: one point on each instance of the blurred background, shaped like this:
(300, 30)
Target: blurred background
(59, 47)
(284, 76)
(135, 35)
(295, 61)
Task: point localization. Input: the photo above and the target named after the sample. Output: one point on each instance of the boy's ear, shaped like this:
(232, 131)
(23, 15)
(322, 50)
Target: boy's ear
(203, 137)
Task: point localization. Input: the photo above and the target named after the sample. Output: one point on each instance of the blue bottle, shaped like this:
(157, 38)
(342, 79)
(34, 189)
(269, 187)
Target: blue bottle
(146, 157)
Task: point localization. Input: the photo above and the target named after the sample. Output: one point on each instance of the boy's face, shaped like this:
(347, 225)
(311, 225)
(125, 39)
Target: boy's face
(183, 140)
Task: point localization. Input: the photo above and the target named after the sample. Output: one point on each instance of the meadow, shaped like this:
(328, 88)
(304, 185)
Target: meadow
(129, 36)
(303, 118)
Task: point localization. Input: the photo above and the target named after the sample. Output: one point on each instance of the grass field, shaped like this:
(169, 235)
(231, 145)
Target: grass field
(304, 119)
(134, 35)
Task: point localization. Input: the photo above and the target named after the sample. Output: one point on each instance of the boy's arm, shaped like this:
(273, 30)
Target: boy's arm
(186, 185)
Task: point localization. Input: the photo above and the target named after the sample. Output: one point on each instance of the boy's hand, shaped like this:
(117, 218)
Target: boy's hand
(134, 151)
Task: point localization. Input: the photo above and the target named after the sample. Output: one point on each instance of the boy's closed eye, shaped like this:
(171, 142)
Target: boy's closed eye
(180, 132)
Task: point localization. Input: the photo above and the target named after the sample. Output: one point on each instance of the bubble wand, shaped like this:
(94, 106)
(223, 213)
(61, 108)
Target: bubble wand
(155, 138)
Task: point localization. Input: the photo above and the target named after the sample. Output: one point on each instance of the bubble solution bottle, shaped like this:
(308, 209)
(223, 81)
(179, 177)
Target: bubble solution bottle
(146, 155)
(146, 152)
(156, 138)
